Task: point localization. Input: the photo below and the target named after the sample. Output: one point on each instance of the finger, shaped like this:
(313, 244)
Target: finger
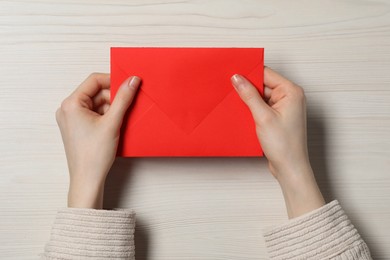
(101, 110)
(251, 97)
(103, 97)
(277, 95)
(93, 84)
(267, 93)
(273, 79)
(123, 99)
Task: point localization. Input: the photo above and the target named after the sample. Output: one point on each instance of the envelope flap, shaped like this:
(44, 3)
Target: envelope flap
(187, 83)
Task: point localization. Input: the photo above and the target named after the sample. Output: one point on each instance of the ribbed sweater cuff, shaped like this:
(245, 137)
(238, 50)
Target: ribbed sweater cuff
(94, 234)
(321, 234)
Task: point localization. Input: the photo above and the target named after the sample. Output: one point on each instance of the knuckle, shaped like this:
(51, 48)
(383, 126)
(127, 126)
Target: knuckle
(93, 75)
(123, 97)
(120, 99)
(58, 115)
(250, 95)
(290, 85)
(266, 119)
(301, 95)
(67, 105)
(300, 91)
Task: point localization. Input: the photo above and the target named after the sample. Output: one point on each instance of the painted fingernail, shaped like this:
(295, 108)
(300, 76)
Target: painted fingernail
(238, 82)
(134, 82)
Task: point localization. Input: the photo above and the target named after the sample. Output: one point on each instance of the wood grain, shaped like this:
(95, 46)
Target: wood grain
(339, 51)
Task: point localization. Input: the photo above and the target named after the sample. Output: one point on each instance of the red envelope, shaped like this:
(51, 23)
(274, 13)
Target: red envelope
(186, 105)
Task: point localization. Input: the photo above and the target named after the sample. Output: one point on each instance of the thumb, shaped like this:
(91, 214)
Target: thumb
(123, 99)
(251, 97)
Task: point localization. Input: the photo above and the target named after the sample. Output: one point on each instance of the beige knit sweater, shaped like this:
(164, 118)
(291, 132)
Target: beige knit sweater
(325, 233)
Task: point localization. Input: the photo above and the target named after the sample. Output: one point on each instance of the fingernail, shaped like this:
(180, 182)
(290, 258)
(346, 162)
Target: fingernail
(134, 82)
(238, 82)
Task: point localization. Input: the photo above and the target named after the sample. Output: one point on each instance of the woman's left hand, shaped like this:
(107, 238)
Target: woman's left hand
(90, 128)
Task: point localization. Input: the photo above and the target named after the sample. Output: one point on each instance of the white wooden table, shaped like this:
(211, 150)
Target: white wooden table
(215, 208)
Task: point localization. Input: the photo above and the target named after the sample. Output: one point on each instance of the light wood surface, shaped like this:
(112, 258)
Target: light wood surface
(215, 208)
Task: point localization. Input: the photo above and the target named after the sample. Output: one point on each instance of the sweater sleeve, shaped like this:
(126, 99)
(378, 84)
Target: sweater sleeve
(325, 233)
(91, 234)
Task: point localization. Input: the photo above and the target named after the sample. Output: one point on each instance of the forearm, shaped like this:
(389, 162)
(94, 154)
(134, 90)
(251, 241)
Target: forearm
(300, 190)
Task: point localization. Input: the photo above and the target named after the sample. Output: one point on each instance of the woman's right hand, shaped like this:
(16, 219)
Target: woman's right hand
(280, 120)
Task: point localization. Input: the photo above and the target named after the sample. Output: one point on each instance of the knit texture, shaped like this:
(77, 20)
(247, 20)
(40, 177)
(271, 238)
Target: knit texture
(325, 233)
(91, 234)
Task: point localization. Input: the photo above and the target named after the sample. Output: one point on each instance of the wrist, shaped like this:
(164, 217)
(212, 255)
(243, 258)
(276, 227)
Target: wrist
(85, 194)
(286, 174)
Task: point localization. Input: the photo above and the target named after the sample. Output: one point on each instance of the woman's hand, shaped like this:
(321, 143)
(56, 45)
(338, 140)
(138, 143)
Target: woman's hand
(281, 129)
(90, 129)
